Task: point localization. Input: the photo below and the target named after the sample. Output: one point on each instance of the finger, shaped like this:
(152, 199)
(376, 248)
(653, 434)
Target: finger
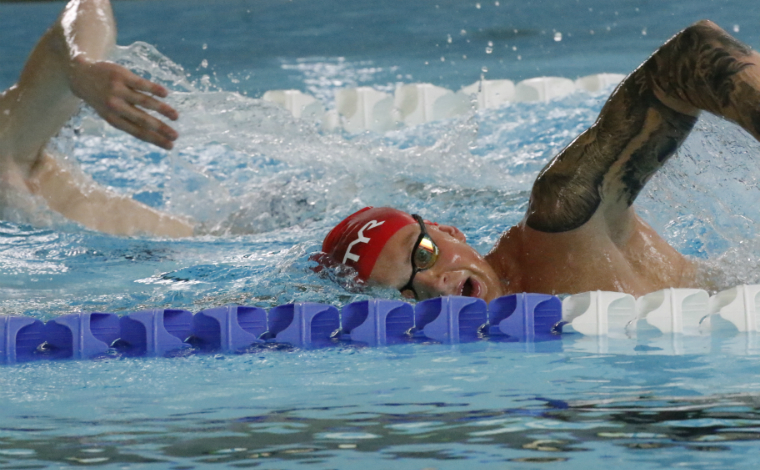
(141, 133)
(136, 87)
(148, 102)
(142, 119)
(143, 126)
(141, 84)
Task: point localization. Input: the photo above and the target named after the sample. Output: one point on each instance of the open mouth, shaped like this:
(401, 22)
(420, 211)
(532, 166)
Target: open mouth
(472, 287)
(468, 288)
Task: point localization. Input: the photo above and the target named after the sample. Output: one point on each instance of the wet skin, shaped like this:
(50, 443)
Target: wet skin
(580, 231)
(68, 66)
(526, 260)
(459, 270)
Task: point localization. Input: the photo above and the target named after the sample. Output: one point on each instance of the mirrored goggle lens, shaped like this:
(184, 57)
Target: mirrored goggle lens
(426, 254)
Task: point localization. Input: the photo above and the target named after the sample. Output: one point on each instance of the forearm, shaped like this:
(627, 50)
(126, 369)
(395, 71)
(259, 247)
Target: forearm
(606, 167)
(43, 99)
(86, 30)
(98, 208)
(643, 123)
(704, 68)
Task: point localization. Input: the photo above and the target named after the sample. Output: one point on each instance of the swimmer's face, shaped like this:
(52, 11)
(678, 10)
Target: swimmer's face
(458, 269)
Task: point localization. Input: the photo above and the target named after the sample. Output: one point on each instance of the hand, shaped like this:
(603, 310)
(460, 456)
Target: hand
(120, 97)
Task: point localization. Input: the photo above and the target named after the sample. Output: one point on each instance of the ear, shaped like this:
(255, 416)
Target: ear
(453, 231)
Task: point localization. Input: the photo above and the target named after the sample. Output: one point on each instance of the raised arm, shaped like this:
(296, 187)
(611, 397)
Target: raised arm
(642, 124)
(66, 67)
(68, 64)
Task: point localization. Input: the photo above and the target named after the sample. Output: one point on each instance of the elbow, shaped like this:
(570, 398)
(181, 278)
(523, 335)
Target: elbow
(703, 29)
(705, 24)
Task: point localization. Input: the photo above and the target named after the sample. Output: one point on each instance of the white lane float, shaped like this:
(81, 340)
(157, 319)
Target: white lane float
(543, 89)
(361, 109)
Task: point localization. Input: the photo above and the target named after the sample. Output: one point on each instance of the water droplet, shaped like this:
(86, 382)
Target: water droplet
(484, 69)
(489, 50)
(448, 39)
(644, 32)
(514, 48)
(496, 3)
(557, 36)
(519, 57)
(736, 28)
(490, 43)
(477, 5)
(464, 56)
(443, 59)
(204, 63)
(205, 46)
(463, 32)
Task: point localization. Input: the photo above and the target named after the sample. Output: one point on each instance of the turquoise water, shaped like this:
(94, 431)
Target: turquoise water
(490, 405)
(267, 187)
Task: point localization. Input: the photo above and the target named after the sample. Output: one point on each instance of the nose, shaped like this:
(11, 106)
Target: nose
(436, 283)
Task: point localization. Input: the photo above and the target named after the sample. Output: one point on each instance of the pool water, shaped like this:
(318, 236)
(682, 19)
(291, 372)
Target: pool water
(266, 188)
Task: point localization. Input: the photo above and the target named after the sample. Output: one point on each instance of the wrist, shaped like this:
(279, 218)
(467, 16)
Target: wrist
(78, 68)
(78, 64)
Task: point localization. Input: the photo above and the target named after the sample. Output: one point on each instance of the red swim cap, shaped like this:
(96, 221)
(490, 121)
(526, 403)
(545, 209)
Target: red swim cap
(358, 240)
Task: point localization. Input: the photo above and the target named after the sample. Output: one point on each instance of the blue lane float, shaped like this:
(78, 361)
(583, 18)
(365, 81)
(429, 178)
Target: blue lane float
(234, 328)
(20, 338)
(525, 317)
(81, 336)
(451, 319)
(229, 328)
(378, 322)
(303, 324)
(155, 332)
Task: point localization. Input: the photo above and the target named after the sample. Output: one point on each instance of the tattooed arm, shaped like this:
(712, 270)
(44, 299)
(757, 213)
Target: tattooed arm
(643, 123)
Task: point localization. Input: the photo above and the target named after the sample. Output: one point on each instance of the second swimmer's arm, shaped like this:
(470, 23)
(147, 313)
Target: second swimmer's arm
(65, 67)
(642, 124)
(68, 64)
(99, 208)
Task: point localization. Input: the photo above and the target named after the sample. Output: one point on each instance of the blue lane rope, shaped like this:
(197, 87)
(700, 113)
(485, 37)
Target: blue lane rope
(232, 328)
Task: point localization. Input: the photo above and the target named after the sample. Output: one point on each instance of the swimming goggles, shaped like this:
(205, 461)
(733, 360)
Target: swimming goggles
(424, 255)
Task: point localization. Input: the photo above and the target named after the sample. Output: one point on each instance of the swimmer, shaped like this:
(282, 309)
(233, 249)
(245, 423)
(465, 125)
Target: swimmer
(580, 232)
(68, 66)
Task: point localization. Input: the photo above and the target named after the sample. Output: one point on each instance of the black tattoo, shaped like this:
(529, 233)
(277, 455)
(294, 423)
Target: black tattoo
(700, 57)
(636, 132)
